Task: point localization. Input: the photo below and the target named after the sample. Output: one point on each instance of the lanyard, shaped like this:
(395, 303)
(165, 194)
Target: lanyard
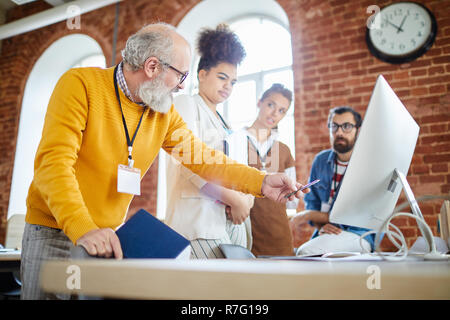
(224, 124)
(228, 131)
(129, 142)
(262, 159)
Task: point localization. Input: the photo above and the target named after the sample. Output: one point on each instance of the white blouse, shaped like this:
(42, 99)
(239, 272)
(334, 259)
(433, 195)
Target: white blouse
(239, 140)
(190, 212)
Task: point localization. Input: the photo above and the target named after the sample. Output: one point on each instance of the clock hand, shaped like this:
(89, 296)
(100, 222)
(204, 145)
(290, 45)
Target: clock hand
(401, 25)
(393, 25)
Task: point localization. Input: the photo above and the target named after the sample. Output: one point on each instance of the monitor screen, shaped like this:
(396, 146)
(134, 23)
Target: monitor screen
(386, 142)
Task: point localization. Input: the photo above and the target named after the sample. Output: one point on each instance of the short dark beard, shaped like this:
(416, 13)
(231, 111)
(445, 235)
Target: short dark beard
(339, 148)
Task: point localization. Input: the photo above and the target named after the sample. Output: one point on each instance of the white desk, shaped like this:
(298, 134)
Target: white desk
(250, 279)
(9, 260)
(9, 254)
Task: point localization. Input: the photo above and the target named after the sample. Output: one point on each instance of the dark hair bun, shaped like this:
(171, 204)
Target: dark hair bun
(219, 45)
(278, 88)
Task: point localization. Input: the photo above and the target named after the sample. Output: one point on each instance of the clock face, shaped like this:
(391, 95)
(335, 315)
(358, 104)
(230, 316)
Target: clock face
(401, 32)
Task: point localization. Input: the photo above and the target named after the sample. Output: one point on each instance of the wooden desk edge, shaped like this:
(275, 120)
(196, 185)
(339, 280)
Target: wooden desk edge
(154, 281)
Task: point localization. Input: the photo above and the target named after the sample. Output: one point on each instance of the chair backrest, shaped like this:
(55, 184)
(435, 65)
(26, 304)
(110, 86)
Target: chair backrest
(14, 231)
(444, 222)
(234, 251)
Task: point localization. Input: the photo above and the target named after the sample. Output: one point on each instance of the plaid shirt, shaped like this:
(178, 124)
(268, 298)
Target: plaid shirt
(123, 84)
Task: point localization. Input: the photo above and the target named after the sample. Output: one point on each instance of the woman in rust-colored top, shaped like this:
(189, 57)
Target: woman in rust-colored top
(269, 223)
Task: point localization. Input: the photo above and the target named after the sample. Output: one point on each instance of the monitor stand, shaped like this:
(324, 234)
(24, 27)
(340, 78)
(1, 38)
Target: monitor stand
(433, 254)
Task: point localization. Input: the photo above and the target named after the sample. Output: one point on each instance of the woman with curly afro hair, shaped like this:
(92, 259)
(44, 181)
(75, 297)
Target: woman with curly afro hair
(206, 213)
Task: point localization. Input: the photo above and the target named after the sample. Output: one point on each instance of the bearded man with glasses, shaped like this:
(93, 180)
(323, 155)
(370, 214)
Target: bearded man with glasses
(329, 166)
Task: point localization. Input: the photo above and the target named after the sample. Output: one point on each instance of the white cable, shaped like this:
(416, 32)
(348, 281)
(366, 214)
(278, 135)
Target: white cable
(361, 238)
(403, 247)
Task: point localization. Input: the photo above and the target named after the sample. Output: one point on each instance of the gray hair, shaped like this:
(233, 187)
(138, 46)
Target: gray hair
(154, 42)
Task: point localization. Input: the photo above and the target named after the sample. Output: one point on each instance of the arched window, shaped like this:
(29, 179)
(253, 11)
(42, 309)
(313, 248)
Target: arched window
(91, 60)
(268, 61)
(78, 50)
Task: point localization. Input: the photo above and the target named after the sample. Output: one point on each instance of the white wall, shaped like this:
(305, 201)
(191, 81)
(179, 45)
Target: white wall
(57, 59)
(209, 13)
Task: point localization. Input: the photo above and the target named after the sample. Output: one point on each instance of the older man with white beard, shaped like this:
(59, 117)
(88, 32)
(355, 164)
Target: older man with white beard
(103, 129)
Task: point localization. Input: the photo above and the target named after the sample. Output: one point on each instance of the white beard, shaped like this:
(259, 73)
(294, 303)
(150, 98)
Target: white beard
(156, 95)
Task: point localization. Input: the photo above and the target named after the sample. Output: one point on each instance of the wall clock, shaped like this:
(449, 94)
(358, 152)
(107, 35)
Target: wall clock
(401, 32)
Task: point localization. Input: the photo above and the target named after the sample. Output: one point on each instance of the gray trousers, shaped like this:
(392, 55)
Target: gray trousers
(41, 243)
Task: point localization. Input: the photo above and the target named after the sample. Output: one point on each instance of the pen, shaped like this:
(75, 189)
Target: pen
(306, 186)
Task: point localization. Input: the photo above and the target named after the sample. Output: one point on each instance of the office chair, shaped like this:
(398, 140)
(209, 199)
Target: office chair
(10, 285)
(234, 251)
(10, 282)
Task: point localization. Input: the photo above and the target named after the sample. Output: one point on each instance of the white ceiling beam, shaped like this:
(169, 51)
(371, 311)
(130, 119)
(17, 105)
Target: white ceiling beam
(56, 3)
(21, 2)
(51, 16)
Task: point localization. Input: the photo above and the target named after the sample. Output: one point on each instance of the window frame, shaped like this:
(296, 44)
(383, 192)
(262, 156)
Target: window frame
(258, 77)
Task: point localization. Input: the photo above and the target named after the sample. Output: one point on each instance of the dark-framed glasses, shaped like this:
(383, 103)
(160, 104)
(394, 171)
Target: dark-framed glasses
(346, 127)
(182, 75)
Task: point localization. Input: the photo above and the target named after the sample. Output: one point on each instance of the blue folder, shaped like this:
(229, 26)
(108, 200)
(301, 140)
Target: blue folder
(144, 236)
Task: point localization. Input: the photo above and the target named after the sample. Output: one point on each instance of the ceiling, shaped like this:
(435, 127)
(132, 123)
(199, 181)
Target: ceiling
(8, 4)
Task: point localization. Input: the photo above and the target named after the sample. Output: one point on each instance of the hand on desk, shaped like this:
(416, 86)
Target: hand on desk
(102, 243)
(330, 229)
(276, 186)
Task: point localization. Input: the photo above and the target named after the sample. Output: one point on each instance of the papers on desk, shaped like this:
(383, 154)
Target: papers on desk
(334, 256)
(7, 254)
(416, 252)
(344, 256)
(361, 257)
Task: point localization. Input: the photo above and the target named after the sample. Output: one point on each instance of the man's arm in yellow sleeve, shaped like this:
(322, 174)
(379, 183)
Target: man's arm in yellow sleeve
(217, 168)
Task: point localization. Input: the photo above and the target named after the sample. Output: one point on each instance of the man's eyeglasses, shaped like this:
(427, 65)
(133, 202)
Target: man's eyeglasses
(346, 127)
(182, 75)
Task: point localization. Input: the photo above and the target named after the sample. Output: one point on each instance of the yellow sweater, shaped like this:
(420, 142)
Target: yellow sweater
(83, 142)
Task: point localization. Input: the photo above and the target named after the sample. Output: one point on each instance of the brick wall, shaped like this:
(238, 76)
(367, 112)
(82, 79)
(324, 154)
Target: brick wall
(332, 66)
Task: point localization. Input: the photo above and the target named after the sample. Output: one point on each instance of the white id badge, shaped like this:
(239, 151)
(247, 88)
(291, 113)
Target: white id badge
(129, 180)
(325, 207)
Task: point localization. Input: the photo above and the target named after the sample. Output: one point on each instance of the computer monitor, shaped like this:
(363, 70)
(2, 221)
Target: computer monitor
(376, 173)
(386, 142)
